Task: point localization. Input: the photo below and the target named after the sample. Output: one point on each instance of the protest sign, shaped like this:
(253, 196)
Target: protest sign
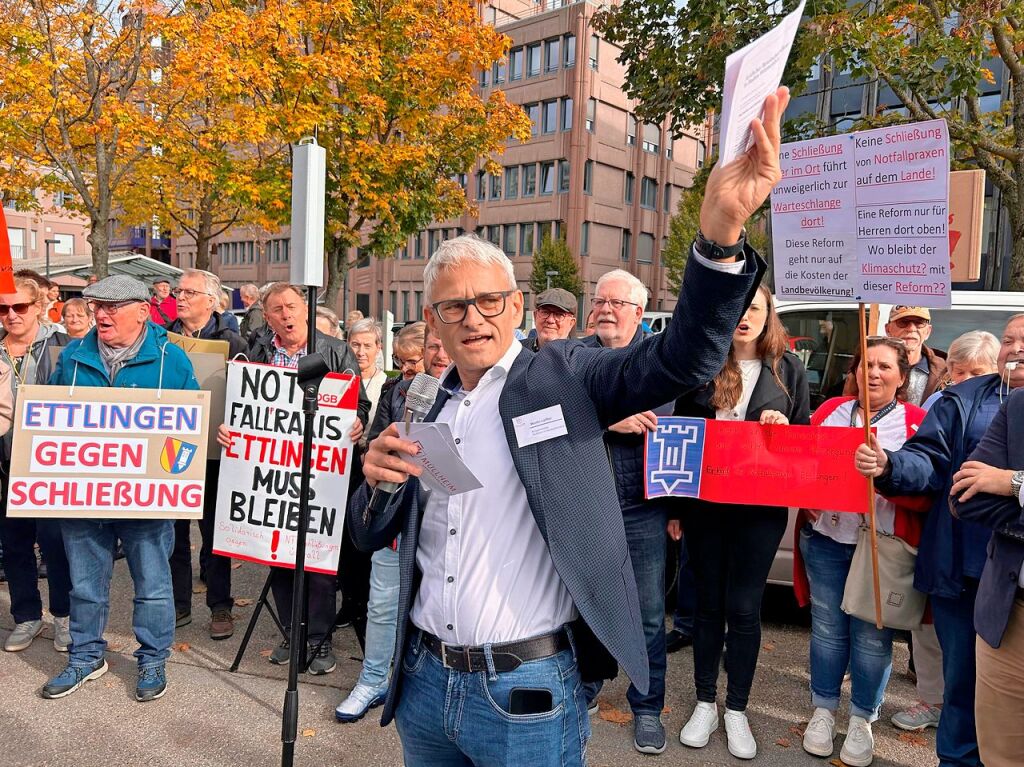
(201, 345)
(864, 217)
(108, 453)
(744, 462)
(966, 217)
(208, 358)
(258, 497)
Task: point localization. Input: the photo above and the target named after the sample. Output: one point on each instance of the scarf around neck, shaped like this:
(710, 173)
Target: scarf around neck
(115, 358)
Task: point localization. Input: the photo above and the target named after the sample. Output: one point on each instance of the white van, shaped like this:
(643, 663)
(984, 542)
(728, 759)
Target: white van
(824, 336)
(657, 321)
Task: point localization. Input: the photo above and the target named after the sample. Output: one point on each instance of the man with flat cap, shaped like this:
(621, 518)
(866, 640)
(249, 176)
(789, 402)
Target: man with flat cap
(555, 315)
(163, 309)
(123, 350)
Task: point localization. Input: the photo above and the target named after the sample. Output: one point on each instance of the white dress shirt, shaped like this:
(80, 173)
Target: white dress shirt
(487, 573)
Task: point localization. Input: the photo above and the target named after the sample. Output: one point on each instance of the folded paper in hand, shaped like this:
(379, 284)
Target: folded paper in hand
(443, 468)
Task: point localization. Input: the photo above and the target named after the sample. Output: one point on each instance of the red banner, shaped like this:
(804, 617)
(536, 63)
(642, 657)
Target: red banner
(743, 462)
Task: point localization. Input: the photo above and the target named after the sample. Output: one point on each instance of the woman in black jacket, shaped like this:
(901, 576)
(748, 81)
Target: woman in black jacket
(731, 546)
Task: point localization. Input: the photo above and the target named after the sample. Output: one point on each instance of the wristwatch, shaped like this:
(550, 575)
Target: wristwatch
(714, 251)
(1016, 482)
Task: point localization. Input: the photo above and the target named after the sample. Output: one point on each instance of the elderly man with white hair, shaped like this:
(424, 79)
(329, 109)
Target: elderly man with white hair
(253, 320)
(197, 297)
(516, 592)
(618, 307)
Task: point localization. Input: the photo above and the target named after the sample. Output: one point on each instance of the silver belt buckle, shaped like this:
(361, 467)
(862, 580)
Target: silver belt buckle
(445, 648)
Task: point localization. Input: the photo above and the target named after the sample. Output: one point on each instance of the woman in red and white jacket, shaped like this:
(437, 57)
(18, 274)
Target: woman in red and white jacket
(824, 551)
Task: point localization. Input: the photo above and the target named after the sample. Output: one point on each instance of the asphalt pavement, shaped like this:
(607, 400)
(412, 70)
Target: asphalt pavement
(213, 718)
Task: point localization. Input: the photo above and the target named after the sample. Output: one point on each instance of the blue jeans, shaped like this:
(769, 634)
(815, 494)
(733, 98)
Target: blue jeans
(957, 740)
(381, 618)
(90, 547)
(645, 535)
(448, 718)
(839, 641)
(18, 537)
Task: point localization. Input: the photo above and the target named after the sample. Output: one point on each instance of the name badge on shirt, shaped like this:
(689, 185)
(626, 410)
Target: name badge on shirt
(540, 425)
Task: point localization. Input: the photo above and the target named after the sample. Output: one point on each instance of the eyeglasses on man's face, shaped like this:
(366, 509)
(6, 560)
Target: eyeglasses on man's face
(615, 303)
(409, 363)
(557, 315)
(454, 310)
(187, 294)
(110, 308)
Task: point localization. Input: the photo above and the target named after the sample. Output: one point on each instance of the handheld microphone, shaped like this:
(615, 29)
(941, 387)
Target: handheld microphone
(418, 402)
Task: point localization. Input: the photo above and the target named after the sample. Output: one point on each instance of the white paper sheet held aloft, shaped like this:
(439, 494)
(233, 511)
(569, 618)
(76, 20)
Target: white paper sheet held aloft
(751, 75)
(443, 468)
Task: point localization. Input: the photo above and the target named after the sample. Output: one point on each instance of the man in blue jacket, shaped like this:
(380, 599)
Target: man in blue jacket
(123, 350)
(514, 593)
(951, 556)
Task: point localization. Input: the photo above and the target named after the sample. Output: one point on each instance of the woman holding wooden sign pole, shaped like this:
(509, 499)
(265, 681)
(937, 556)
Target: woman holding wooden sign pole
(826, 547)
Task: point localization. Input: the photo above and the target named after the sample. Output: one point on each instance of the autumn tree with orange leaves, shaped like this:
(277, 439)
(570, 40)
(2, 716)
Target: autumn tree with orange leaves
(77, 81)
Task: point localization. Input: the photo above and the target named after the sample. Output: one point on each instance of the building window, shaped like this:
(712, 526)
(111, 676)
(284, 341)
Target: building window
(628, 193)
(512, 182)
(533, 60)
(392, 301)
(550, 117)
(496, 187)
(481, 186)
(526, 239)
(533, 112)
(494, 234)
(563, 176)
(592, 55)
(645, 248)
(652, 138)
(285, 245)
(551, 58)
(434, 238)
(585, 238)
(418, 254)
(515, 64)
(544, 231)
(591, 114)
(484, 77)
(648, 193)
(509, 245)
(566, 114)
(668, 148)
(547, 178)
(627, 244)
(630, 130)
(500, 69)
(588, 177)
(569, 60)
(529, 180)
(702, 152)
(668, 197)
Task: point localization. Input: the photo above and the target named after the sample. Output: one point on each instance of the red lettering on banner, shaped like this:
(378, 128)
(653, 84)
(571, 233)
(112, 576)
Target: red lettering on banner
(275, 451)
(75, 454)
(111, 494)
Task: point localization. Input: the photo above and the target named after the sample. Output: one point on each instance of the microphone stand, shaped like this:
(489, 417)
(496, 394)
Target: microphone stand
(297, 657)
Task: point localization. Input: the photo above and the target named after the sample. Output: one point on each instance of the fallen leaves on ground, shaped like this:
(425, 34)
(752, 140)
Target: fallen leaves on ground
(798, 729)
(243, 602)
(309, 732)
(609, 713)
(199, 588)
(838, 763)
(913, 739)
(769, 646)
(666, 710)
(784, 742)
(235, 565)
(265, 653)
(182, 646)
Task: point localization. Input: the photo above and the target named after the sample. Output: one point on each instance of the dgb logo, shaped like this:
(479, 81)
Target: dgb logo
(176, 456)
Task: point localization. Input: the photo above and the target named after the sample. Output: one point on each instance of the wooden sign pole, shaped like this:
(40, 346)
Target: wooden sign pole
(866, 407)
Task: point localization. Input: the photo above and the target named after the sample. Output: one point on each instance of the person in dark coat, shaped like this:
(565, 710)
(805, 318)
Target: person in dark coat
(987, 490)
(951, 554)
(732, 547)
(197, 296)
(253, 320)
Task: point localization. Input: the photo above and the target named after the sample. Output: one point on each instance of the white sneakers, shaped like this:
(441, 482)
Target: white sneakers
(23, 635)
(703, 722)
(858, 748)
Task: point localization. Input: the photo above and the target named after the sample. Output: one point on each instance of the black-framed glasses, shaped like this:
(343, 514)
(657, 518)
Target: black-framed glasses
(454, 310)
(401, 364)
(187, 294)
(556, 314)
(5, 309)
(110, 307)
(614, 303)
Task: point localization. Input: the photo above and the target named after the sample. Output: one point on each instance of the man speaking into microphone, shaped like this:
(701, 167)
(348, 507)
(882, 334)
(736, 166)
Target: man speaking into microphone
(513, 593)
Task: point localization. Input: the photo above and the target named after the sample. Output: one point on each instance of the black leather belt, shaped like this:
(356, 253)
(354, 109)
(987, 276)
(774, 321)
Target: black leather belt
(507, 656)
